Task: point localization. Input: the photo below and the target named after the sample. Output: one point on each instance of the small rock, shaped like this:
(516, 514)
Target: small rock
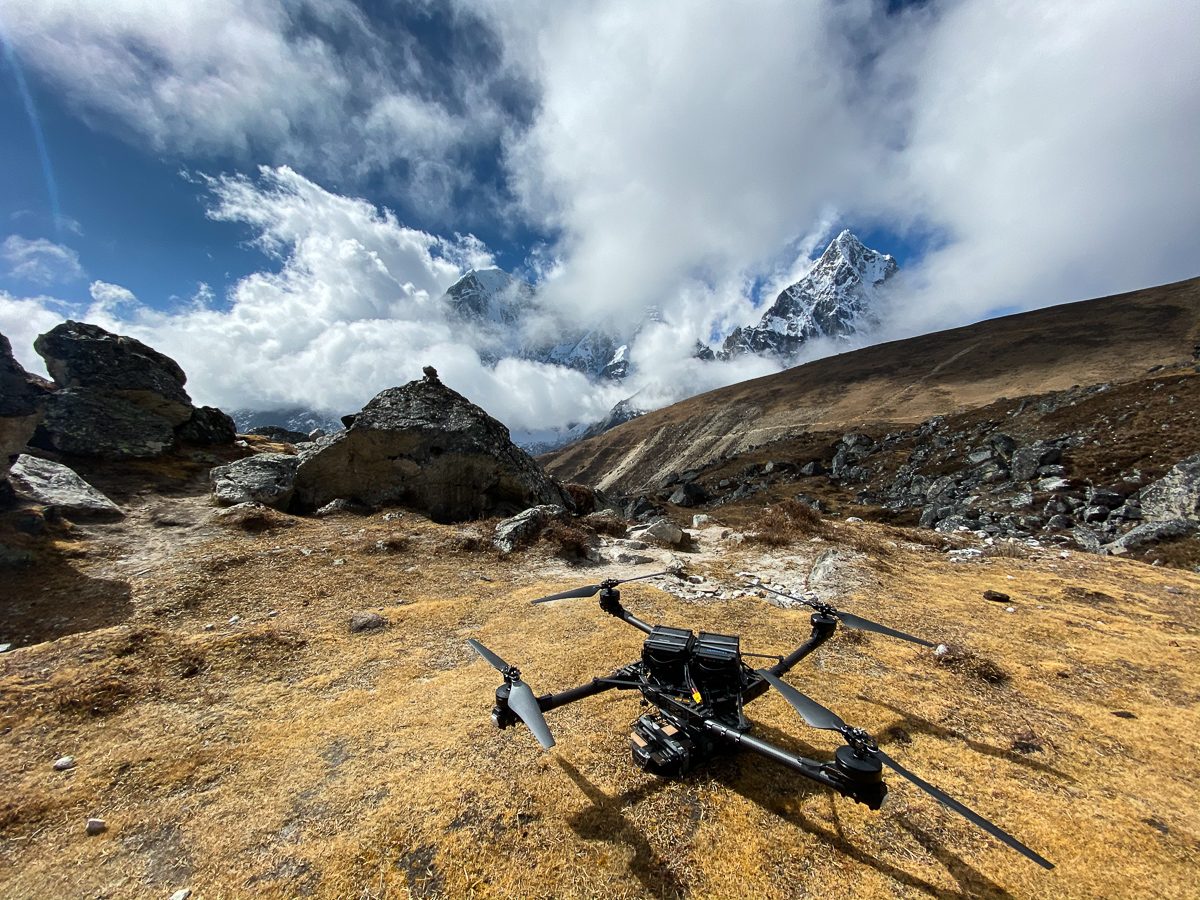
(366, 621)
(273, 613)
(339, 562)
(4, 648)
(633, 559)
(184, 893)
(853, 520)
(392, 516)
(233, 620)
(701, 520)
(63, 763)
(1010, 609)
(941, 650)
(996, 596)
(96, 826)
(209, 627)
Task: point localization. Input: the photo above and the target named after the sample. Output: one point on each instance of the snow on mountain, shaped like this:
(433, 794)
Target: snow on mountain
(838, 297)
(294, 418)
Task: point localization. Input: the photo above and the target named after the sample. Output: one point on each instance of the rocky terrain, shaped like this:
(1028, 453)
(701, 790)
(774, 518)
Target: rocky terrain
(237, 665)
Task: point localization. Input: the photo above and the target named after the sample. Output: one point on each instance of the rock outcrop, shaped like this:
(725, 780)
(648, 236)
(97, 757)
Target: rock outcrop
(426, 446)
(268, 478)
(22, 398)
(1176, 495)
(118, 398)
(58, 487)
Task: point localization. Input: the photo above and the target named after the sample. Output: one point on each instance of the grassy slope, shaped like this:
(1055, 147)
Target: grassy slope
(284, 756)
(1111, 339)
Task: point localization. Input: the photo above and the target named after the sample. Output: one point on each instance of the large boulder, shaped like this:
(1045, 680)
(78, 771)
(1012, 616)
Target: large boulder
(86, 422)
(268, 478)
(79, 355)
(1150, 533)
(426, 446)
(524, 527)
(58, 487)
(22, 398)
(118, 398)
(1176, 495)
(208, 425)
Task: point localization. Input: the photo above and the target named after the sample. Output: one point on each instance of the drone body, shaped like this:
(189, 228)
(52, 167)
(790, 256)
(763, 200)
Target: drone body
(698, 686)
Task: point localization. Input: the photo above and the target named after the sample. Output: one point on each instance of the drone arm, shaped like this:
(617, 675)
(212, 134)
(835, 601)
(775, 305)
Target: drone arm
(622, 678)
(809, 768)
(823, 627)
(610, 602)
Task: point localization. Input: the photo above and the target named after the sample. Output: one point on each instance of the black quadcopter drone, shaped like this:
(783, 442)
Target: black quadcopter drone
(699, 686)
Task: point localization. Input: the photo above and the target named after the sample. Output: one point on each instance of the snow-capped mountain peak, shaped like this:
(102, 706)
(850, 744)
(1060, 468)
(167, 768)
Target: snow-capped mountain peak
(837, 297)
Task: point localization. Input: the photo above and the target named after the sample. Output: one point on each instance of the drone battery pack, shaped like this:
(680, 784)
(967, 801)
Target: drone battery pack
(666, 652)
(716, 659)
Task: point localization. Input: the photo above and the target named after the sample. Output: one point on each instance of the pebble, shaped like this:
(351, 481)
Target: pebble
(233, 620)
(273, 613)
(853, 520)
(96, 826)
(339, 562)
(209, 627)
(941, 650)
(1010, 609)
(63, 763)
(182, 894)
(4, 648)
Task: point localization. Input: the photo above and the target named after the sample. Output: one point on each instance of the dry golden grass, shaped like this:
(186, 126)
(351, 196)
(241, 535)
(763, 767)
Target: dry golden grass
(286, 757)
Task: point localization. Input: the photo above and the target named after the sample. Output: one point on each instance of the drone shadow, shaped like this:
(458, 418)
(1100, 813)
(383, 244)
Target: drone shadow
(604, 820)
(777, 791)
(911, 722)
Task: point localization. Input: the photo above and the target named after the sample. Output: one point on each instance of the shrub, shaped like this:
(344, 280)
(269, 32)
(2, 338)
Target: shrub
(785, 522)
(567, 541)
(582, 496)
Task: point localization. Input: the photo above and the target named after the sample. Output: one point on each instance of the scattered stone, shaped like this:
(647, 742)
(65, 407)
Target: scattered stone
(1086, 539)
(233, 620)
(209, 626)
(427, 447)
(996, 596)
(660, 531)
(689, 494)
(182, 894)
(339, 562)
(342, 505)
(272, 613)
(251, 516)
(96, 826)
(1010, 609)
(941, 650)
(58, 487)
(1150, 533)
(266, 478)
(1123, 714)
(1176, 495)
(633, 559)
(701, 520)
(4, 648)
(63, 763)
(391, 516)
(853, 520)
(366, 621)
(523, 528)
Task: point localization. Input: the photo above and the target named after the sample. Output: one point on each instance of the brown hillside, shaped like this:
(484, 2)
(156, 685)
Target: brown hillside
(1112, 339)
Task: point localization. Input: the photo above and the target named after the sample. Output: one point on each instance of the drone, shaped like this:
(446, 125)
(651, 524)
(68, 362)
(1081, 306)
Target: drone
(698, 686)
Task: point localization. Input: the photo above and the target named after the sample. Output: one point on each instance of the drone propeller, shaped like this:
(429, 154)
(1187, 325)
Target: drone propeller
(521, 700)
(592, 589)
(818, 716)
(849, 619)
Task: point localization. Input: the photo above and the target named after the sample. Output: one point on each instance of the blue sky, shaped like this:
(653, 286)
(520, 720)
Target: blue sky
(326, 168)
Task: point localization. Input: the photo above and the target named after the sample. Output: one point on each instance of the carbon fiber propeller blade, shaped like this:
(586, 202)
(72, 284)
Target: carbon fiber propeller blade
(487, 654)
(810, 710)
(858, 622)
(969, 814)
(522, 702)
(819, 717)
(592, 589)
(853, 621)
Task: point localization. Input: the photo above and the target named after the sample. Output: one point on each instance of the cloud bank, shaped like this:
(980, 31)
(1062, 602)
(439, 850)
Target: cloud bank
(688, 156)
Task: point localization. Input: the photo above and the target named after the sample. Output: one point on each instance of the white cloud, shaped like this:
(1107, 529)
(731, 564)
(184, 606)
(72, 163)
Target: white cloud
(22, 319)
(313, 83)
(40, 261)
